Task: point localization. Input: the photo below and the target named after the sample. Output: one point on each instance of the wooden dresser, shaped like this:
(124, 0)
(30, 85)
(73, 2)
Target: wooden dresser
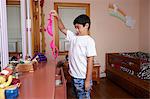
(96, 73)
(41, 84)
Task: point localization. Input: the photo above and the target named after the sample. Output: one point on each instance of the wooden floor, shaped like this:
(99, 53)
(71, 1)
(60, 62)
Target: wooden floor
(105, 90)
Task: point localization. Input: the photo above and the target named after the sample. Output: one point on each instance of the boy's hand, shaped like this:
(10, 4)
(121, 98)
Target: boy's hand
(60, 23)
(87, 85)
(54, 13)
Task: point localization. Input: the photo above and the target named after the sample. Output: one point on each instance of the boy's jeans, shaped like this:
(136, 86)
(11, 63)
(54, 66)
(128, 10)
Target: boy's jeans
(79, 89)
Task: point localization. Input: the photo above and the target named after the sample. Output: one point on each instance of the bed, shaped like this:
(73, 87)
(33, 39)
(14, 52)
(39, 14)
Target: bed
(131, 71)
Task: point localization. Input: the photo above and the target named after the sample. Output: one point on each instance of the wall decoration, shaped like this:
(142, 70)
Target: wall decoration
(118, 13)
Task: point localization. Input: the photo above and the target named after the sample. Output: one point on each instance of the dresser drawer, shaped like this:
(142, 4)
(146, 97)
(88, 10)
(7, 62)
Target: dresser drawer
(60, 87)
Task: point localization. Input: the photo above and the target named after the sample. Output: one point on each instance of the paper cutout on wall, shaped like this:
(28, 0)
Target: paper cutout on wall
(116, 12)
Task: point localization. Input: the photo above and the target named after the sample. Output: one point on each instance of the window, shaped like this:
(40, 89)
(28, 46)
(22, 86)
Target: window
(14, 28)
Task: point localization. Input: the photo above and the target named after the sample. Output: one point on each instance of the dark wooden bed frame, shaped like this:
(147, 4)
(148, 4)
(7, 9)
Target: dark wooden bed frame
(131, 83)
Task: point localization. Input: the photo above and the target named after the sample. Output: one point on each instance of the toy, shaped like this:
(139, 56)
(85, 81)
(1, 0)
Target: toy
(5, 77)
(7, 71)
(6, 84)
(39, 57)
(12, 92)
(2, 79)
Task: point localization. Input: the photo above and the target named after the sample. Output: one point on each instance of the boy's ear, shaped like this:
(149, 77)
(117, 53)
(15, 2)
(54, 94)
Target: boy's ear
(87, 25)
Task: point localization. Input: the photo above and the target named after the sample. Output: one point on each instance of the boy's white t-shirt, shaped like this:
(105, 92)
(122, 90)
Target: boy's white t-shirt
(81, 47)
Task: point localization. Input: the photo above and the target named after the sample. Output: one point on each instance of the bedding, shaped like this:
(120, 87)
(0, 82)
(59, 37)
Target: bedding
(144, 70)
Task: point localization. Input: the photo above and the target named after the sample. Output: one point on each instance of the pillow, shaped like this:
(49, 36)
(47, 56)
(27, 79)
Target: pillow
(145, 71)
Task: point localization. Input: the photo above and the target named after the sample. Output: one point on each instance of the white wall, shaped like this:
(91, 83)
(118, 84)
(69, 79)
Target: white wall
(149, 26)
(144, 26)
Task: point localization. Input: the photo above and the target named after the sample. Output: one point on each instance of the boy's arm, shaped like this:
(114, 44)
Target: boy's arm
(60, 23)
(89, 72)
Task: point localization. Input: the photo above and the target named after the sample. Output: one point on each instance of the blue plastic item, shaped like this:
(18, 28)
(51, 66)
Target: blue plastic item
(42, 57)
(11, 93)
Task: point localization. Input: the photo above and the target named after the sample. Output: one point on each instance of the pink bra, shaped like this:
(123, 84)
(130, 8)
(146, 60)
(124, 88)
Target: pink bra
(52, 43)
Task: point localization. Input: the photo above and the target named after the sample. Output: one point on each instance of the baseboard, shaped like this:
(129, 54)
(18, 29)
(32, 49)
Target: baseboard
(103, 74)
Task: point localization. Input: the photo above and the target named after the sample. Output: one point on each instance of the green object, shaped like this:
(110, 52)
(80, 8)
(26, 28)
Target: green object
(21, 62)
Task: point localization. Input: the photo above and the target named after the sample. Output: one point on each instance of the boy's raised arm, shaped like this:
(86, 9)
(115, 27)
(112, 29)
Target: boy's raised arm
(60, 23)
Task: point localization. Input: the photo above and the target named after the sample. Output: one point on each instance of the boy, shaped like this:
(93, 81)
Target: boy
(81, 53)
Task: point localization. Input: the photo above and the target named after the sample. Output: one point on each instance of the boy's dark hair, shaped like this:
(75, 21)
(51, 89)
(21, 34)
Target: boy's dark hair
(82, 19)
